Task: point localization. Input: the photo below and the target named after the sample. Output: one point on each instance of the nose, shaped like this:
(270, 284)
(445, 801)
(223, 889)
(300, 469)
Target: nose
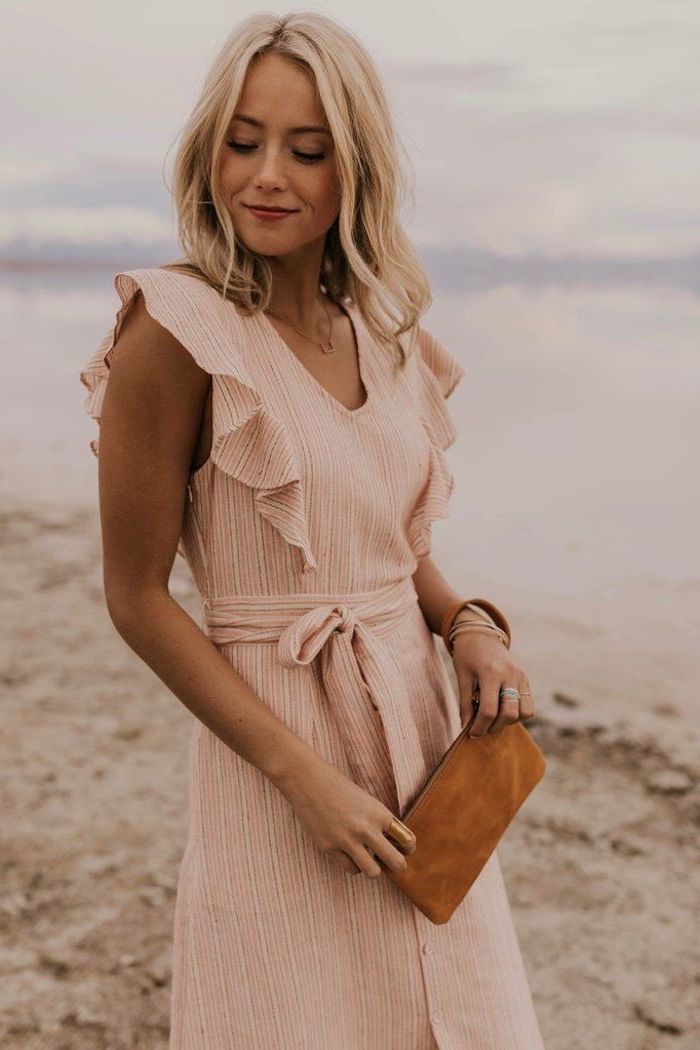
(270, 173)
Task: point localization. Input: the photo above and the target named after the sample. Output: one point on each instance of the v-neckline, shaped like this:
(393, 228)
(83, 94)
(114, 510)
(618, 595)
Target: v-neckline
(311, 379)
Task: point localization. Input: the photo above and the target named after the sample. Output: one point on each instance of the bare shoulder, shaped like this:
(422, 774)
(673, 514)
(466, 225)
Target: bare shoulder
(154, 401)
(144, 347)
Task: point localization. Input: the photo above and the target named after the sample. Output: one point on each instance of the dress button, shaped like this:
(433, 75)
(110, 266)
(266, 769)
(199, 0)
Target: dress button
(436, 1018)
(426, 949)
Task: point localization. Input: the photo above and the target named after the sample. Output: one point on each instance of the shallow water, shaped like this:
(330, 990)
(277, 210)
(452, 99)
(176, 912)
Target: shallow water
(578, 421)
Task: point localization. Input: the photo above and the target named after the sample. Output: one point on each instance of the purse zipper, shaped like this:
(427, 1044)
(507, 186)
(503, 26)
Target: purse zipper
(440, 768)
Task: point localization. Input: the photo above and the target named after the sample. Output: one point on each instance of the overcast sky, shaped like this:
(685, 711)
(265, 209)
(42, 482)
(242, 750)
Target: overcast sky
(534, 129)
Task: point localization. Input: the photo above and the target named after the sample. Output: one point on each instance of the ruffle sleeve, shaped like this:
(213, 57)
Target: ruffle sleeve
(438, 373)
(248, 442)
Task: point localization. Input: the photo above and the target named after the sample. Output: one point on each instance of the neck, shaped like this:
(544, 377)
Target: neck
(296, 295)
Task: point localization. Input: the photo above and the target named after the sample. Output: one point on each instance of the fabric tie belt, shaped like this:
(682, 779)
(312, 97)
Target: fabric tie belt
(358, 670)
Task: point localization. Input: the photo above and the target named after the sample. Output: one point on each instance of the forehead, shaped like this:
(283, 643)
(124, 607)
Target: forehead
(279, 92)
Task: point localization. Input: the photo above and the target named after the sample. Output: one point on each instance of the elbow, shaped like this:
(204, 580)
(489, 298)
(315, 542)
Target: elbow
(121, 606)
(129, 603)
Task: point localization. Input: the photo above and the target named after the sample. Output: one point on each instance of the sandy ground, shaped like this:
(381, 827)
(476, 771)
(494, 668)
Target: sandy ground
(601, 863)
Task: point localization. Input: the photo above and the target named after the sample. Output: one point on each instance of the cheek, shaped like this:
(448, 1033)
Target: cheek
(326, 194)
(231, 172)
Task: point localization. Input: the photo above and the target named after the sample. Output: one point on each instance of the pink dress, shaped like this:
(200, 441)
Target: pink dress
(302, 532)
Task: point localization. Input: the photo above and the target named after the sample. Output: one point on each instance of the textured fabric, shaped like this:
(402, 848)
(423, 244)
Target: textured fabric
(302, 532)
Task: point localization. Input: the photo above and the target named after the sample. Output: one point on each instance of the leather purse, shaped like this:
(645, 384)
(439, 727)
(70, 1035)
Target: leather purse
(461, 813)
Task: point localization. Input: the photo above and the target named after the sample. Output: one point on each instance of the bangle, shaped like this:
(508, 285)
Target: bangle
(483, 606)
(462, 626)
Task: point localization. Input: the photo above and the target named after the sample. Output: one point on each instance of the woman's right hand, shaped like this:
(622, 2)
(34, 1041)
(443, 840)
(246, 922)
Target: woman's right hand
(345, 821)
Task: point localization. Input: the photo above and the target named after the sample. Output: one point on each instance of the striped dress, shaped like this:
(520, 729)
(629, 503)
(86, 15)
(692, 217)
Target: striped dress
(302, 532)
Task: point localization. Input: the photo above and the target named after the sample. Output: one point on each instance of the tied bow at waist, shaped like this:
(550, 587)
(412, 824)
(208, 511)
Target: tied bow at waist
(359, 672)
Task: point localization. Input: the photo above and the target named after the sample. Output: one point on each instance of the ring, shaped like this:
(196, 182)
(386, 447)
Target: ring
(522, 692)
(509, 694)
(399, 832)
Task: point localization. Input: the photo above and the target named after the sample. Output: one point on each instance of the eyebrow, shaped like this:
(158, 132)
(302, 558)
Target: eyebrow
(293, 131)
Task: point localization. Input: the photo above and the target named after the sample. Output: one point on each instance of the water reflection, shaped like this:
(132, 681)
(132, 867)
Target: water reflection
(577, 419)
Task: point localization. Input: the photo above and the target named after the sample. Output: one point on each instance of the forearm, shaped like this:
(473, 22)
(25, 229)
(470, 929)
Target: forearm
(434, 593)
(189, 664)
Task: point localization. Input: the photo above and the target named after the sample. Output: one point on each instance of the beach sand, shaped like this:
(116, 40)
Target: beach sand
(601, 863)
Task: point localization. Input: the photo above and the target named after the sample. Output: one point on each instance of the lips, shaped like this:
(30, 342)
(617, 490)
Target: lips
(270, 216)
(263, 207)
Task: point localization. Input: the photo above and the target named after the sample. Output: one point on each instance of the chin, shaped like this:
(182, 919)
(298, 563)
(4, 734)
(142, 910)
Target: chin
(269, 251)
(274, 244)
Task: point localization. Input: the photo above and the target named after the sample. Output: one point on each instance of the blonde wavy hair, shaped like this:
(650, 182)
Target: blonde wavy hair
(367, 257)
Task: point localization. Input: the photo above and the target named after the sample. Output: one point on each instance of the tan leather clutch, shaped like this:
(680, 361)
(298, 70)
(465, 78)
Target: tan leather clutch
(461, 813)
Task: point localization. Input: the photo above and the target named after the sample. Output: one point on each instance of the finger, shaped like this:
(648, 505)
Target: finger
(508, 712)
(467, 681)
(489, 684)
(401, 836)
(512, 710)
(345, 862)
(387, 855)
(527, 708)
(466, 697)
(390, 852)
(365, 861)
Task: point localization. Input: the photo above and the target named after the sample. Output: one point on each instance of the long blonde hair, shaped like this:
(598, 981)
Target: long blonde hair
(368, 256)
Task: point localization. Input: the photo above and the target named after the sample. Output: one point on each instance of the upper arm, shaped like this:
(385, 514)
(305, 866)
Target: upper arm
(149, 426)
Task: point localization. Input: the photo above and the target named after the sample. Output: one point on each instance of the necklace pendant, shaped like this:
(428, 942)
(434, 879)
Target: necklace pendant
(328, 348)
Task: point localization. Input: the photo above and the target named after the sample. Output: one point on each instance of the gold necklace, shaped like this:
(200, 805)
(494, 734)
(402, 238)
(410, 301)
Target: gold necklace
(328, 348)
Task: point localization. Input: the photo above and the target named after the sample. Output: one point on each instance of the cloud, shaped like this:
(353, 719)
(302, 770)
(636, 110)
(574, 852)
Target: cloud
(565, 153)
(90, 179)
(68, 235)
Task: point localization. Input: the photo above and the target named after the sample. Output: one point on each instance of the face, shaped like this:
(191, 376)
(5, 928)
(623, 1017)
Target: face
(267, 160)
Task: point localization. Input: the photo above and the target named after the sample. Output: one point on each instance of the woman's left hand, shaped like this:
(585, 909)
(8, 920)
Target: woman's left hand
(483, 663)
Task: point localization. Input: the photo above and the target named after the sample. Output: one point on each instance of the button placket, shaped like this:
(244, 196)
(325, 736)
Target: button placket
(426, 949)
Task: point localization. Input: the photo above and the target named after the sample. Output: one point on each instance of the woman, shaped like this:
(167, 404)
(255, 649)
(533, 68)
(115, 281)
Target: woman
(262, 415)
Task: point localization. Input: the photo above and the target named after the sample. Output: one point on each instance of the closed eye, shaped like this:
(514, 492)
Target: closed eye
(306, 158)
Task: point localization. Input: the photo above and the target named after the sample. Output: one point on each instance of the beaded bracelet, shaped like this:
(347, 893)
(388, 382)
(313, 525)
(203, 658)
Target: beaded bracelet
(495, 620)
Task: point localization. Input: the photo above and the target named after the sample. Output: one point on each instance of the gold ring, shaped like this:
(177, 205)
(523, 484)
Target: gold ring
(399, 832)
